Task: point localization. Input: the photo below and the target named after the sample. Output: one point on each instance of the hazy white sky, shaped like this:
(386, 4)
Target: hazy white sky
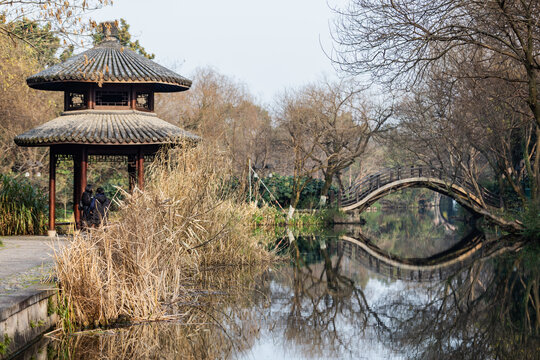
(268, 45)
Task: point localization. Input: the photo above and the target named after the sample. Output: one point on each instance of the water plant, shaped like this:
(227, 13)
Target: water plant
(214, 324)
(186, 219)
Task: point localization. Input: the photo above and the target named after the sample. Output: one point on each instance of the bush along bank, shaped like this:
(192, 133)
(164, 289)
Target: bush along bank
(311, 221)
(23, 207)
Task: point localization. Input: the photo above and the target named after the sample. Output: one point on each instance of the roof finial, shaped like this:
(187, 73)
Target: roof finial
(110, 30)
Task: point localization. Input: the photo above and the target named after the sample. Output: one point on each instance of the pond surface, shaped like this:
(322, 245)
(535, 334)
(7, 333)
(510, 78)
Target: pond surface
(404, 285)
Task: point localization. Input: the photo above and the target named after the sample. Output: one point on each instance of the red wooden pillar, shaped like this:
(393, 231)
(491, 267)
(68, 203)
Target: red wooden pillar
(80, 165)
(84, 168)
(132, 172)
(91, 98)
(140, 169)
(76, 187)
(133, 99)
(52, 192)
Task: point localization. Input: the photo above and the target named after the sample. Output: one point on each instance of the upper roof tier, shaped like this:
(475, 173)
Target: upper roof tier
(111, 63)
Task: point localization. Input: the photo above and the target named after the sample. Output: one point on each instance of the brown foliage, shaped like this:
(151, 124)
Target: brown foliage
(326, 127)
(64, 18)
(223, 112)
(187, 218)
(21, 107)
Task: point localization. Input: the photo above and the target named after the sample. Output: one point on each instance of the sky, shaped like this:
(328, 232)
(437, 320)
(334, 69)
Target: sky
(267, 45)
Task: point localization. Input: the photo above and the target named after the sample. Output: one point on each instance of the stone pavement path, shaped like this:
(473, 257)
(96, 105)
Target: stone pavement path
(26, 260)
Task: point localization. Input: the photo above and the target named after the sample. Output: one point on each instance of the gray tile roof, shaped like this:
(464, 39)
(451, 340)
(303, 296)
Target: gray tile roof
(104, 127)
(109, 62)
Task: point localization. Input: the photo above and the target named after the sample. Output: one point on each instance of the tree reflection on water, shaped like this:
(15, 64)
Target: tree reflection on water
(332, 299)
(326, 313)
(486, 309)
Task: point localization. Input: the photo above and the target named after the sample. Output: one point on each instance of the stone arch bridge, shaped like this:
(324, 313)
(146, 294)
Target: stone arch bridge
(376, 186)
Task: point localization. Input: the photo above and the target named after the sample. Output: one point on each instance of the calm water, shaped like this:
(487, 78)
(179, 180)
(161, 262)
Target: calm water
(407, 284)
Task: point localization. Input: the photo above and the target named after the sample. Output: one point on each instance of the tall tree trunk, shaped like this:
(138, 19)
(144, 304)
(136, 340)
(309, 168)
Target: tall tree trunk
(535, 108)
(328, 176)
(535, 191)
(294, 202)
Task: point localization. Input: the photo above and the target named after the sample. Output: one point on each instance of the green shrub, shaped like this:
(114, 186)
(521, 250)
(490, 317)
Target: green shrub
(531, 222)
(23, 207)
(281, 187)
(4, 344)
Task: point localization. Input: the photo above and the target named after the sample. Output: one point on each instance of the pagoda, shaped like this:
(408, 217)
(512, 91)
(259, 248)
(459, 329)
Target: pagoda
(108, 114)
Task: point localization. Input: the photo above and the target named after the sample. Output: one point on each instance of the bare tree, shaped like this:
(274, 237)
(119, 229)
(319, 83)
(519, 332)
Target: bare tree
(347, 122)
(295, 117)
(476, 129)
(222, 111)
(64, 18)
(329, 126)
(401, 43)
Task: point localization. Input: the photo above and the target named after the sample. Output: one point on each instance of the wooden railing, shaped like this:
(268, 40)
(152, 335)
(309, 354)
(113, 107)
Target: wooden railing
(373, 182)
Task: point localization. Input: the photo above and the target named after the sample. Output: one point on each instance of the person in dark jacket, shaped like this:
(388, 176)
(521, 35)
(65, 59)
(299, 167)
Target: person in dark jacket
(87, 206)
(102, 206)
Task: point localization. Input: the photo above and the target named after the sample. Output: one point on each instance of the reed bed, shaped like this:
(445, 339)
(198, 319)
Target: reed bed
(203, 334)
(221, 321)
(188, 218)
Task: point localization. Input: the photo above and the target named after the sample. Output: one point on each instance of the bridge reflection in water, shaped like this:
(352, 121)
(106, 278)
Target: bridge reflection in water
(472, 301)
(437, 267)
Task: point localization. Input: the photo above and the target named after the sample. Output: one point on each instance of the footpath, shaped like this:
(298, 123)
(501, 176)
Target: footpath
(27, 290)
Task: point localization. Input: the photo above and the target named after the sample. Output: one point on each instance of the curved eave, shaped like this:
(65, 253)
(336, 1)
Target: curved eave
(105, 128)
(88, 143)
(112, 63)
(63, 85)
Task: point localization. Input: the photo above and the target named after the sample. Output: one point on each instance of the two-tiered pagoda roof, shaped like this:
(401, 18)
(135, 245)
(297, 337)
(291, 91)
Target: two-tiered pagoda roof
(108, 113)
(104, 127)
(109, 63)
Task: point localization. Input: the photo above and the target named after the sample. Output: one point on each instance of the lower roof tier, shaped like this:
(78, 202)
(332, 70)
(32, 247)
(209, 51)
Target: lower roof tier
(104, 127)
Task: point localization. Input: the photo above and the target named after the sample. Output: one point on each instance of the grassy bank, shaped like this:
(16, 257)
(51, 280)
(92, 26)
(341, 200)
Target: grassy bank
(187, 219)
(305, 220)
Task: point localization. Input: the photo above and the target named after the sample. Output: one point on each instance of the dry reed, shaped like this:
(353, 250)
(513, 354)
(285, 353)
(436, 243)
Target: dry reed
(220, 322)
(188, 217)
(203, 334)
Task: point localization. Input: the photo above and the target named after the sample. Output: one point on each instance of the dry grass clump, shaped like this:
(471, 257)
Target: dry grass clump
(204, 333)
(189, 216)
(221, 322)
